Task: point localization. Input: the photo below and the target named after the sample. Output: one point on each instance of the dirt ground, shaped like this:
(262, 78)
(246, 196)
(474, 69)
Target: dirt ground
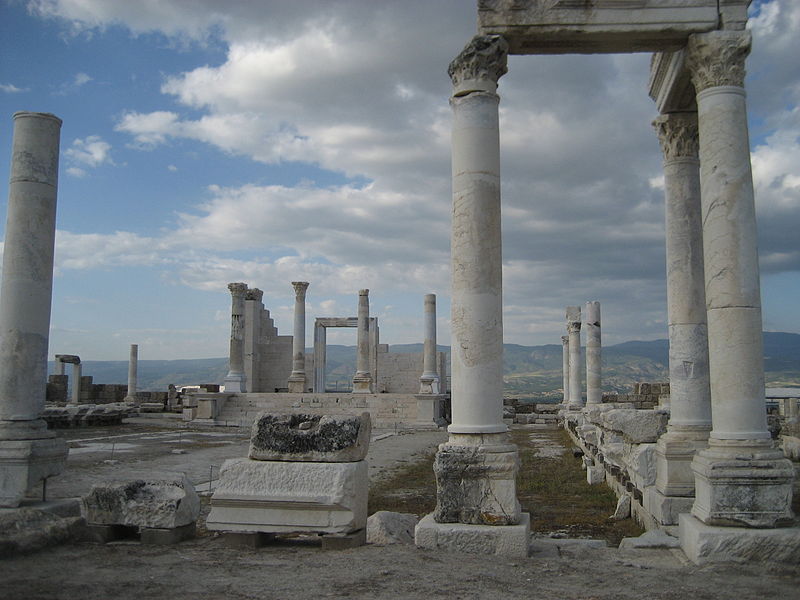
(206, 568)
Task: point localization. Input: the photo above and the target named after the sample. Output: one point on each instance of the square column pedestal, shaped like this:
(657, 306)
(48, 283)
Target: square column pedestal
(24, 463)
(476, 501)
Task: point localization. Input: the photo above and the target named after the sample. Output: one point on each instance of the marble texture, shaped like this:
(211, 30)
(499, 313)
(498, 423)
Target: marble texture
(594, 390)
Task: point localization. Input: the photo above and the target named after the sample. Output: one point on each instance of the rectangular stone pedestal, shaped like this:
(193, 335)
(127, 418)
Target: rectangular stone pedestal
(665, 509)
(24, 463)
(502, 540)
(290, 497)
(705, 544)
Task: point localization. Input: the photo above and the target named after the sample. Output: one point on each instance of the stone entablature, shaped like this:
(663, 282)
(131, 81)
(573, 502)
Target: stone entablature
(594, 26)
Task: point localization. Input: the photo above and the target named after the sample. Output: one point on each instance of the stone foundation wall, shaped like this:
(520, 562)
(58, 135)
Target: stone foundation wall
(644, 396)
(386, 410)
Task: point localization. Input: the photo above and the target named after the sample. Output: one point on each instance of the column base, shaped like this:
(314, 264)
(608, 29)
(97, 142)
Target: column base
(742, 483)
(510, 540)
(665, 509)
(24, 463)
(476, 480)
(362, 385)
(429, 411)
(235, 383)
(705, 544)
(429, 385)
(297, 384)
(674, 454)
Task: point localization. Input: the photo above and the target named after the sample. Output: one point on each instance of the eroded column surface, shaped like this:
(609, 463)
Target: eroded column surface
(133, 370)
(741, 479)
(28, 451)
(362, 381)
(475, 469)
(565, 367)
(235, 379)
(429, 380)
(297, 380)
(690, 395)
(574, 330)
(594, 391)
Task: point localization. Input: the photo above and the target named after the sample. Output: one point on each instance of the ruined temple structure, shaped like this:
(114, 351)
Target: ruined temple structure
(720, 475)
(272, 372)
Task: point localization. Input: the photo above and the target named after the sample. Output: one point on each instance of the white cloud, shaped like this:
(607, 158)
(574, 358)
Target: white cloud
(360, 88)
(10, 88)
(89, 152)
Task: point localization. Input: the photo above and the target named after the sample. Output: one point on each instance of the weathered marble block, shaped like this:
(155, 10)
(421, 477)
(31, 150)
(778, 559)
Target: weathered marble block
(290, 497)
(636, 426)
(166, 502)
(300, 437)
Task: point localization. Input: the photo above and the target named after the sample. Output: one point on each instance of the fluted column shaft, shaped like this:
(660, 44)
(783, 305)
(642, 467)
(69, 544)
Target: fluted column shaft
(362, 382)
(297, 380)
(235, 380)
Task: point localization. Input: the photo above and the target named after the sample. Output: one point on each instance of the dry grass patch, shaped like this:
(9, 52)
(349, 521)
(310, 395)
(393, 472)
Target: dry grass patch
(409, 489)
(553, 489)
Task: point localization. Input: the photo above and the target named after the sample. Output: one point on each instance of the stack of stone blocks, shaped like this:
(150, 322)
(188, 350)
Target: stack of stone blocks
(305, 474)
(160, 510)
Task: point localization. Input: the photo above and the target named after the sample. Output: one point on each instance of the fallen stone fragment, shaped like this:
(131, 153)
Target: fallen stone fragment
(655, 538)
(385, 527)
(165, 503)
(26, 530)
(623, 510)
(310, 438)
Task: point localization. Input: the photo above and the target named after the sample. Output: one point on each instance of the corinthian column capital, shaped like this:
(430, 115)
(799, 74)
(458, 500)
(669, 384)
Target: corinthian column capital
(480, 65)
(678, 135)
(237, 289)
(300, 288)
(717, 58)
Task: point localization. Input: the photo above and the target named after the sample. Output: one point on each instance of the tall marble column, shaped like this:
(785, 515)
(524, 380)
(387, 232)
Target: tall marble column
(28, 451)
(429, 380)
(59, 366)
(565, 368)
(574, 330)
(476, 468)
(320, 341)
(594, 391)
(741, 478)
(235, 379)
(362, 381)
(690, 395)
(133, 370)
(77, 373)
(297, 380)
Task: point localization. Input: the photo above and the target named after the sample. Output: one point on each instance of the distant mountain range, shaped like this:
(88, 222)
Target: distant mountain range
(529, 370)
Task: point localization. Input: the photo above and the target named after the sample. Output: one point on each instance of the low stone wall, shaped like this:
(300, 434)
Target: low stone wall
(387, 411)
(85, 415)
(645, 396)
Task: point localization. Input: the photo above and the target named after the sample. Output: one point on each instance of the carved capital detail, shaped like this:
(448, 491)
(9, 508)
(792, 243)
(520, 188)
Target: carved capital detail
(678, 135)
(574, 327)
(254, 294)
(237, 289)
(300, 288)
(717, 58)
(480, 65)
(565, 340)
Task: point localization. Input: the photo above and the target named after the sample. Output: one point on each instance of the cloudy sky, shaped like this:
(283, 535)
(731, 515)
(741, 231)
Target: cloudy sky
(209, 141)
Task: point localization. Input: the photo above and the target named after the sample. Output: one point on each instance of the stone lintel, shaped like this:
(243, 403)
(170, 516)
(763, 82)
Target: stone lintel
(504, 540)
(704, 544)
(604, 26)
(670, 84)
